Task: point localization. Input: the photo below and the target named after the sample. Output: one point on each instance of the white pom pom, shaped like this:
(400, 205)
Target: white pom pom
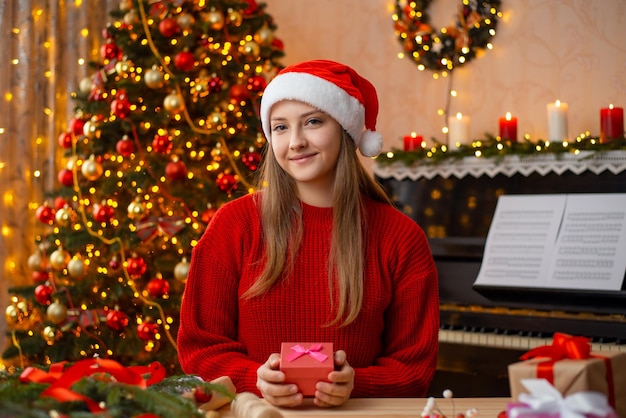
(447, 394)
(371, 144)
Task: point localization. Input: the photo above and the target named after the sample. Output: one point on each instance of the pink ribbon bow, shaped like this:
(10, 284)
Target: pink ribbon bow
(298, 351)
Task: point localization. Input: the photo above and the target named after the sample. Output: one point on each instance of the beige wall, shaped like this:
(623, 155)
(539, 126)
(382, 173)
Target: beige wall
(572, 50)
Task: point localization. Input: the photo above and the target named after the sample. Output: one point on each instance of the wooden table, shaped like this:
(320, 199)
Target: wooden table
(392, 408)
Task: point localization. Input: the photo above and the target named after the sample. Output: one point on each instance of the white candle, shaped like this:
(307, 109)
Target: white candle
(458, 131)
(557, 121)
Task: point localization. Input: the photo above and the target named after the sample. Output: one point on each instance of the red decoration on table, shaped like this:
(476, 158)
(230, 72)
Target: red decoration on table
(611, 123)
(508, 127)
(413, 142)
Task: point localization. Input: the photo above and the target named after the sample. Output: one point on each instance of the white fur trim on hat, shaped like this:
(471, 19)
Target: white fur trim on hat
(325, 96)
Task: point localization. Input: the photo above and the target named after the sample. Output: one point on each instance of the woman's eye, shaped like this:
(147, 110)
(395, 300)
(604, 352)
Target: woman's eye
(277, 128)
(314, 121)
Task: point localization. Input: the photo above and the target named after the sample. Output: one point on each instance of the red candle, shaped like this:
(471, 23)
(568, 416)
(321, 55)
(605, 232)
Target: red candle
(413, 142)
(508, 127)
(611, 123)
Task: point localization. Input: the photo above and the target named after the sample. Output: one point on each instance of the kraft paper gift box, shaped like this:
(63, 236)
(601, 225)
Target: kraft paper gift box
(602, 371)
(305, 364)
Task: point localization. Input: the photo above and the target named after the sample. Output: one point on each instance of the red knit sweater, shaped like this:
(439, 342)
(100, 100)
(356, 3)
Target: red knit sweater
(393, 343)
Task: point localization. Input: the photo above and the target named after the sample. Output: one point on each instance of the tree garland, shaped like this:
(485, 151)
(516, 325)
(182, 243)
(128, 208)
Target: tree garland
(453, 45)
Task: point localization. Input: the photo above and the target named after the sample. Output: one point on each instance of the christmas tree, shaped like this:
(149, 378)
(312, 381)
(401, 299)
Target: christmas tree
(165, 131)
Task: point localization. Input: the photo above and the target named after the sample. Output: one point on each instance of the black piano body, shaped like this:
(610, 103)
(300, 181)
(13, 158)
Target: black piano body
(483, 330)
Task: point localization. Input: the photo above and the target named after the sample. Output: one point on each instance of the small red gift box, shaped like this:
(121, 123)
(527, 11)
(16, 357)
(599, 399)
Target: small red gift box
(305, 364)
(571, 367)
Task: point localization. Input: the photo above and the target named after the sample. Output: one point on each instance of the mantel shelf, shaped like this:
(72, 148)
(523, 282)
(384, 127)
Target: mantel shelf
(591, 161)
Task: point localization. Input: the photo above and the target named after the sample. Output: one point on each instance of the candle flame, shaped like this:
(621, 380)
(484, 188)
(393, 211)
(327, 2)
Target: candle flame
(557, 103)
(611, 106)
(508, 116)
(459, 116)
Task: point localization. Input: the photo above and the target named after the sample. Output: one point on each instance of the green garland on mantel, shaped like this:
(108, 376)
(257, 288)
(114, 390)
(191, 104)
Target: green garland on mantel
(495, 148)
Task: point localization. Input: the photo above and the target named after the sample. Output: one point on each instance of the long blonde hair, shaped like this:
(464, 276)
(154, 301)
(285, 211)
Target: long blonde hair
(281, 216)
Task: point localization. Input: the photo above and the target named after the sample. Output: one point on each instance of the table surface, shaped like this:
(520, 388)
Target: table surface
(392, 408)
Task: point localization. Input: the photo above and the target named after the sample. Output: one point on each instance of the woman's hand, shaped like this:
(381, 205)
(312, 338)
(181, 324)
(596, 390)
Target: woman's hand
(338, 391)
(270, 383)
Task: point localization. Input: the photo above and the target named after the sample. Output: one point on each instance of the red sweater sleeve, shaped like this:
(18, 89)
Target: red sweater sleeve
(207, 337)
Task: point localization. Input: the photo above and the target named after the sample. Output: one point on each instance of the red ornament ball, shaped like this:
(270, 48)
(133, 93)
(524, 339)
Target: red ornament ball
(257, 83)
(252, 7)
(43, 294)
(226, 182)
(114, 263)
(176, 170)
(278, 44)
(184, 61)
(65, 140)
(117, 320)
(136, 267)
(251, 160)
(239, 92)
(169, 27)
(125, 146)
(45, 214)
(40, 276)
(207, 215)
(103, 212)
(109, 50)
(202, 395)
(66, 177)
(147, 331)
(60, 203)
(162, 144)
(158, 287)
(120, 107)
(77, 126)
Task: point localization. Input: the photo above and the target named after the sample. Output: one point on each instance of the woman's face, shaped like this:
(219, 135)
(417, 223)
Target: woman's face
(306, 143)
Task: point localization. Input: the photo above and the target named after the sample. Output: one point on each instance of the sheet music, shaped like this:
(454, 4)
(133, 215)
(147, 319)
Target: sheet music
(566, 241)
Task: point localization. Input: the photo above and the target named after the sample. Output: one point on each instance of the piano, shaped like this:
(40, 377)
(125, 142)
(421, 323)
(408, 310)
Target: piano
(483, 330)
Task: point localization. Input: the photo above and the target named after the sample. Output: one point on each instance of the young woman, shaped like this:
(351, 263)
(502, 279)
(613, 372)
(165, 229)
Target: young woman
(319, 254)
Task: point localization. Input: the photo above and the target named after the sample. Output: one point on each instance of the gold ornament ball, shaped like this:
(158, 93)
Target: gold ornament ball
(35, 261)
(50, 334)
(76, 267)
(131, 17)
(123, 67)
(12, 314)
(59, 258)
(90, 129)
(86, 85)
(64, 216)
(235, 18)
(173, 103)
(56, 312)
(215, 19)
(216, 119)
(154, 78)
(136, 209)
(264, 36)
(126, 5)
(185, 20)
(250, 48)
(91, 169)
(181, 270)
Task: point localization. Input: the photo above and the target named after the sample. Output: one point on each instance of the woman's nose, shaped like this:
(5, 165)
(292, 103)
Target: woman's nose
(297, 139)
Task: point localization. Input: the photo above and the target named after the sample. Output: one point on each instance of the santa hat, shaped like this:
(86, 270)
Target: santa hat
(335, 89)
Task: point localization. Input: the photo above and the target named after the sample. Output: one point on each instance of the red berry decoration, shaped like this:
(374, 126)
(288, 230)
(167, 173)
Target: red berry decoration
(109, 50)
(125, 146)
(76, 126)
(169, 27)
(117, 320)
(147, 331)
(103, 213)
(158, 287)
(45, 214)
(66, 177)
(65, 140)
(136, 266)
(184, 61)
(176, 170)
(239, 92)
(162, 144)
(257, 83)
(251, 160)
(226, 182)
(43, 294)
(202, 395)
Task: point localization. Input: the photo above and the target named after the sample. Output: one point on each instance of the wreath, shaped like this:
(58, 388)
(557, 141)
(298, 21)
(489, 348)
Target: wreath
(452, 46)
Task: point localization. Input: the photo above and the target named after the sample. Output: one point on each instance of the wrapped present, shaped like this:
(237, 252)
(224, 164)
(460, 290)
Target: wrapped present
(305, 364)
(571, 367)
(545, 401)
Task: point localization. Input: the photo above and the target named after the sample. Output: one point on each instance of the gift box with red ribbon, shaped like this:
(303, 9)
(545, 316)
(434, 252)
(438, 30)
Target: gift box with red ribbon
(305, 364)
(570, 365)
